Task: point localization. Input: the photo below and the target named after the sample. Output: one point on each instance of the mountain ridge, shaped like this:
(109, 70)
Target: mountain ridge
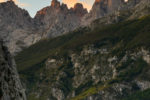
(58, 16)
(19, 30)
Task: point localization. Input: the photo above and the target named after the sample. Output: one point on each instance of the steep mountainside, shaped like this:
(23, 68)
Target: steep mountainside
(134, 9)
(10, 86)
(141, 9)
(57, 19)
(17, 28)
(109, 62)
(103, 8)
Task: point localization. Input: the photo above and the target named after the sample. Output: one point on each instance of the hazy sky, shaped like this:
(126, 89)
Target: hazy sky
(34, 5)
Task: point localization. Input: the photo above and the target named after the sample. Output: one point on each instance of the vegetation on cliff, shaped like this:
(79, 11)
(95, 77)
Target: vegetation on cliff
(118, 38)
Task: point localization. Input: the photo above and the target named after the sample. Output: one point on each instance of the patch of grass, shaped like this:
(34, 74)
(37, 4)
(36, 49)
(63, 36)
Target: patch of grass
(31, 75)
(134, 70)
(82, 87)
(66, 82)
(125, 64)
(91, 91)
(141, 95)
(32, 97)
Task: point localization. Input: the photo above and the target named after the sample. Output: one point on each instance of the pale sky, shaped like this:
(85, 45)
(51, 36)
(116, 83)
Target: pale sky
(32, 6)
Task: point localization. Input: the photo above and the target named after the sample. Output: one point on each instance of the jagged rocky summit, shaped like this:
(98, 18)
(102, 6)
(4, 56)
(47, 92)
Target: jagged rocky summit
(57, 19)
(10, 85)
(19, 30)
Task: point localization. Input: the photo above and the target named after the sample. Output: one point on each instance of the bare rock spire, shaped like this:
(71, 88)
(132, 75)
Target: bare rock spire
(55, 3)
(79, 10)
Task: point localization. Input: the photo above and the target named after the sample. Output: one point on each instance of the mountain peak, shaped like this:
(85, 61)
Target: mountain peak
(78, 6)
(79, 9)
(97, 1)
(55, 3)
(10, 1)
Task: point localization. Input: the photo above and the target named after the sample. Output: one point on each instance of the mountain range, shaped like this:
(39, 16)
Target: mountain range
(72, 54)
(19, 30)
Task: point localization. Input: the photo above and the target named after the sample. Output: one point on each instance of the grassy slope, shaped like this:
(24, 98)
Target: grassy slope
(41, 50)
(122, 36)
(127, 35)
(140, 95)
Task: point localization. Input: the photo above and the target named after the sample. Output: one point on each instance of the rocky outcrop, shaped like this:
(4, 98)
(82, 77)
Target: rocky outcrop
(133, 9)
(93, 74)
(141, 9)
(107, 8)
(57, 19)
(10, 85)
(79, 10)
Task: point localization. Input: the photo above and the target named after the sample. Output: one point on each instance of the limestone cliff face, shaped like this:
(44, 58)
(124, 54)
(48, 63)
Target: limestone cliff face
(133, 9)
(141, 9)
(10, 85)
(57, 19)
(79, 10)
(17, 28)
(103, 8)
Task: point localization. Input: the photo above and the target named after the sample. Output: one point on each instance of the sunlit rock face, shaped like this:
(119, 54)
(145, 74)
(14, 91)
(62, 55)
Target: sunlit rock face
(55, 4)
(17, 28)
(57, 19)
(10, 85)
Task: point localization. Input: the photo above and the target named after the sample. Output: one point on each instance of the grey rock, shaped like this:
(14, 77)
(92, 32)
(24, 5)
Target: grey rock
(17, 28)
(10, 85)
(108, 10)
(57, 19)
(141, 9)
